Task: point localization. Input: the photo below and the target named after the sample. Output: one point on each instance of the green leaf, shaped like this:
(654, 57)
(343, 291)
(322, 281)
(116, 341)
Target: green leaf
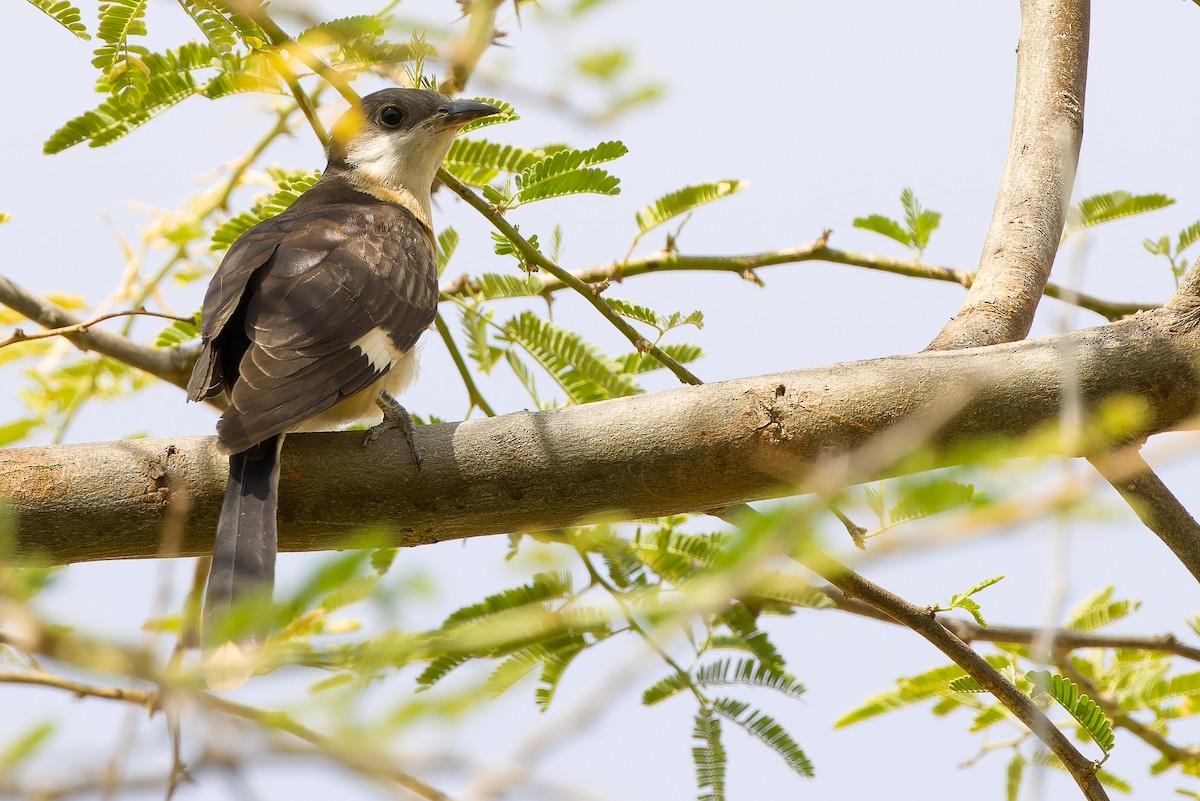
(569, 171)
(512, 669)
(1012, 776)
(178, 332)
(1184, 684)
(544, 586)
(684, 200)
(909, 690)
(886, 226)
(1187, 237)
(590, 180)
(341, 31)
(919, 221)
(637, 363)
(766, 730)
(1085, 711)
(744, 626)
(929, 498)
(447, 243)
(966, 684)
(1108, 206)
(666, 687)
(24, 745)
(748, 672)
(439, 667)
(479, 348)
(495, 286)
(289, 186)
(507, 114)
(125, 74)
(477, 161)
(709, 757)
(553, 667)
(212, 22)
(65, 15)
(580, 369)
(1099, 610)
(963, 600)
(785, 588)
(169, 81)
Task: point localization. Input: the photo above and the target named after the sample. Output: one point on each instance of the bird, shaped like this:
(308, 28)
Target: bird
(311, 321)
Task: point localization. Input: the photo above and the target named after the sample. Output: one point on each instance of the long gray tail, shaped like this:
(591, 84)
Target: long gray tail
(243, 560)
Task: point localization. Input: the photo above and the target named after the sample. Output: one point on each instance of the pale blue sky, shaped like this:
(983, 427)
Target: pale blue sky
(828, 110)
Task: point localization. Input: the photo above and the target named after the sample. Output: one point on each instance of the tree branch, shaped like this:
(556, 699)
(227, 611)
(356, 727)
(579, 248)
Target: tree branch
(688, 449)
(1043, 150)
(744, 265)
(173, 365)
(925, 622)
(1064, 640)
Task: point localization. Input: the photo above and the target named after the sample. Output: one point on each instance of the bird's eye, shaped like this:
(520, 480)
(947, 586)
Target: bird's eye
(391, 116)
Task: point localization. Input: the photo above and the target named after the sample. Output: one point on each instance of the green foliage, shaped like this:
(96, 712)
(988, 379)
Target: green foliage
(447, 243)
(766, 730)
(637, 362)
(1108, 206)
(661, 322)
(125, 74)
(169, 79)
(1085, 711)
(178, 332)
(569, 172)
(1099, 610)
(65, 15)
(580, 369)
(919, 224)
(1012, 776)
(1162, 247)
(925, 498)
(963, 600)
(507, 114)
(966, 684)
(25, 744)
(220, 32)
(683, 200)
(909, 690)
(289, 185)
(476, 162)
(708, 755)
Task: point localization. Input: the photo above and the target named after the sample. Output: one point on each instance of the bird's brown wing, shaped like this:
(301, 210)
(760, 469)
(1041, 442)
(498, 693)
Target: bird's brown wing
(333, 277)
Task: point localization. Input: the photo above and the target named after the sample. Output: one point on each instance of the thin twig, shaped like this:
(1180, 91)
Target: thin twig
(1064, 639)
(744, 265)
(81, 328)
(369, 762)
(473, 393)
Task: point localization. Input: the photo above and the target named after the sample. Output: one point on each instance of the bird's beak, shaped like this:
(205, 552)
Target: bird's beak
(458, 113)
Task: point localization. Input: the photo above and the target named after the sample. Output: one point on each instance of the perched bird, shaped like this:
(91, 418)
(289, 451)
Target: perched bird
(313, 316)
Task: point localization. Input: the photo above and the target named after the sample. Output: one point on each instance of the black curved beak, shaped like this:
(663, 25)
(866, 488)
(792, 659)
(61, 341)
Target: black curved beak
(457, 113)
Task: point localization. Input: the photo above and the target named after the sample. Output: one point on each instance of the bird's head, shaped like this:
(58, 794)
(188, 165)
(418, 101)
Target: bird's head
(396, 139)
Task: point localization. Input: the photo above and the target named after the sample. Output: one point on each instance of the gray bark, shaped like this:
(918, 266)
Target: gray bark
(689, 449)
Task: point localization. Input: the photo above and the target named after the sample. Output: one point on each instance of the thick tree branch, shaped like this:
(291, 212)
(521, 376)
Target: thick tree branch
(1027, 222)
(689, 449)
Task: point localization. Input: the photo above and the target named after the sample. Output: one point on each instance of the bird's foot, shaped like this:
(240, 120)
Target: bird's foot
(395, 417)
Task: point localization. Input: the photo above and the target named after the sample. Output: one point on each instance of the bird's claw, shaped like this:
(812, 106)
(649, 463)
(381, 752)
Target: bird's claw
(395, 417)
